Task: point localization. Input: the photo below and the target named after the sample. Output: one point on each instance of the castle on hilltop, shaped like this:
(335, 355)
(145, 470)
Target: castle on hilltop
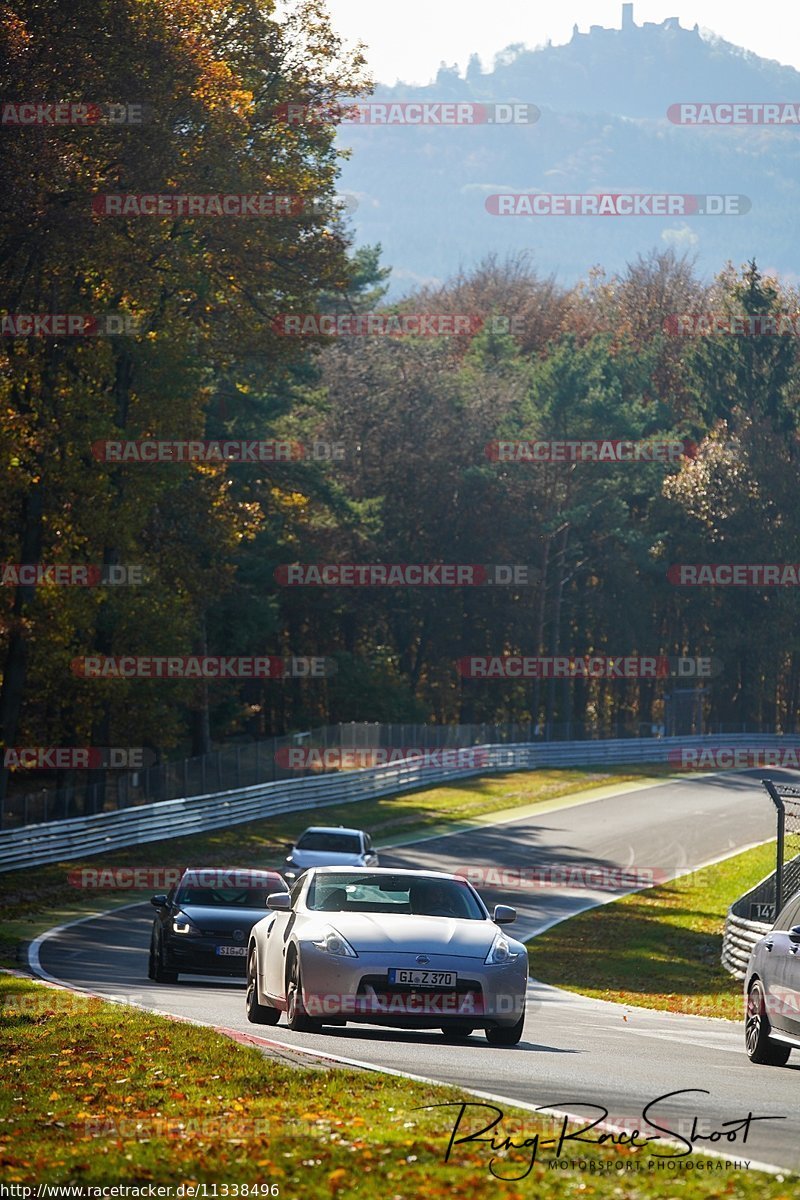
(629, 27)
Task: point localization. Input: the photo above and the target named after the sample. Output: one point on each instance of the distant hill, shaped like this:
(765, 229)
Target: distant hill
(603, 127)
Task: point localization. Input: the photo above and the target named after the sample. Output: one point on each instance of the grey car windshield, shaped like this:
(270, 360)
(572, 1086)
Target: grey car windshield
(343, 892)
(336, 843)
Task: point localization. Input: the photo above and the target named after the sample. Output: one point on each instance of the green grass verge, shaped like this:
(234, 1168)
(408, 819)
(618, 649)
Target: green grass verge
(659, 948)
(95, 1094)
(35, 899)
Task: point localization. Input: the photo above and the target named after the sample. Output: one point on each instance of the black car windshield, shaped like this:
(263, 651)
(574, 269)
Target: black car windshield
(338, 891)
(335, 843)
(254, 897)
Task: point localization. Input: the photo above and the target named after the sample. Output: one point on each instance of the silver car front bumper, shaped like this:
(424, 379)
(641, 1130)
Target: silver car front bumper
(358, 989)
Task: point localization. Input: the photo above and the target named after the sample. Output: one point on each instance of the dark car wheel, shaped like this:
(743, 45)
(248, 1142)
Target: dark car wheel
(457, 1033)
(162, 973)
(151, 958)
(760, 1046)
(505, 1035)
(258, 1014)
(296, 1016)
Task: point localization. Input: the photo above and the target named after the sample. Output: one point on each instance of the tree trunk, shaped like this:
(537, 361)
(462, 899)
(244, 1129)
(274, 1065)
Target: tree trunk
(15, 668)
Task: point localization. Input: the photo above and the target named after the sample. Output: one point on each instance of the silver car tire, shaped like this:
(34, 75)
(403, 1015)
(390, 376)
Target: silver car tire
(505, 1035)
(457, 1033)
(296, 1017)
(761, 1049)
(257, 1014)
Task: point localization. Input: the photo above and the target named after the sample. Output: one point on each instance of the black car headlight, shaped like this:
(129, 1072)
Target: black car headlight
(182, 924)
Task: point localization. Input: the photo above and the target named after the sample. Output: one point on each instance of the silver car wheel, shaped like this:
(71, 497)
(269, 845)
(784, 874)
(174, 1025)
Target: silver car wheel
(752, 1028)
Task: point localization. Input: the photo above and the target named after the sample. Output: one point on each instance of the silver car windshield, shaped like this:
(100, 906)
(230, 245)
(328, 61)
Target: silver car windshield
(342, 892)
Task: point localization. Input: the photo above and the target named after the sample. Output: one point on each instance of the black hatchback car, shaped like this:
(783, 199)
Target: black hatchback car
(202, 926)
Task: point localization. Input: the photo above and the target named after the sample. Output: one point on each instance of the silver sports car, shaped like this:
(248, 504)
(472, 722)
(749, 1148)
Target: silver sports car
(409, 949)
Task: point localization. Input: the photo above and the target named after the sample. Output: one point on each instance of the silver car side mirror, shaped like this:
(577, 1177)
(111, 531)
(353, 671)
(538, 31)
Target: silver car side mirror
(794, 933)
(503, 914)
(281, 901)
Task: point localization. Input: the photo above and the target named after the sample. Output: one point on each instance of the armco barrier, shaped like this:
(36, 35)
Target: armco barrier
(742, 933)
(56, 841)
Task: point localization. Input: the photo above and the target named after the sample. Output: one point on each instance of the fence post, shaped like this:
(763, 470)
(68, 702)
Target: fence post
(772, 791)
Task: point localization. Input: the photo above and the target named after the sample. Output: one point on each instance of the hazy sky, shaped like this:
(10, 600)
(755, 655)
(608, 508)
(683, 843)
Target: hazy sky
(408, 40)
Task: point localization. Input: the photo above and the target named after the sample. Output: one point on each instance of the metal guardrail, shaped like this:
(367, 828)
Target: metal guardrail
(241, 763)
(741, 931)
(78, 837)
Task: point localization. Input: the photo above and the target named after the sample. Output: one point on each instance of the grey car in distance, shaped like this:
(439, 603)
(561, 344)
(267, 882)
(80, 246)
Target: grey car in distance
(406, 949)
(329, 846)
(772, 990)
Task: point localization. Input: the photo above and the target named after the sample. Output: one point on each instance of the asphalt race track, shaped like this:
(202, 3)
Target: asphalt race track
(575, 1051)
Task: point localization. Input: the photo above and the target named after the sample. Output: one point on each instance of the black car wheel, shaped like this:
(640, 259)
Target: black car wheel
(760, 1046)
(258, 1014)
(505, 1035)
(296, 1016)
(161, 972)
(151, 958)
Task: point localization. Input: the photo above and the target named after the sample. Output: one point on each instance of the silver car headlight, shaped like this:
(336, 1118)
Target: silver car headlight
(333, 943)
(182, 924)
(500, 952)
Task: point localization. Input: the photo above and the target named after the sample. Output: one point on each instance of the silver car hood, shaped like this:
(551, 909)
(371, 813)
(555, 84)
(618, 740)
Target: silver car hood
(324, 858)
(383, 933)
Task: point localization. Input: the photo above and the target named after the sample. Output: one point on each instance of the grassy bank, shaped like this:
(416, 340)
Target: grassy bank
(659, 948)
(93, 1093)
(37, 898)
